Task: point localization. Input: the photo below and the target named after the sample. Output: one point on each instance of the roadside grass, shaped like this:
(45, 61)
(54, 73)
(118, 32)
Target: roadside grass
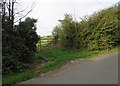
(59, 57)
(18, 77)
(55, 58)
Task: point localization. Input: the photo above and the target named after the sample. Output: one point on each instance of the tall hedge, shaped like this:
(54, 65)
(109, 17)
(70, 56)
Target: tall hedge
(97, 32)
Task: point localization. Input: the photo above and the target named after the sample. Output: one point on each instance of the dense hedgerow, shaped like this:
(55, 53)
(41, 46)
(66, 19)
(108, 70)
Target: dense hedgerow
(97, 32)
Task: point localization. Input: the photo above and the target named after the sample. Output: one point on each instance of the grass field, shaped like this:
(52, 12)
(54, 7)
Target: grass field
(55, 58)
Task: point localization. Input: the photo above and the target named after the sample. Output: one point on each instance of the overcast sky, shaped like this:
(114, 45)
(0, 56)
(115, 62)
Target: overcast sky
(48, 12)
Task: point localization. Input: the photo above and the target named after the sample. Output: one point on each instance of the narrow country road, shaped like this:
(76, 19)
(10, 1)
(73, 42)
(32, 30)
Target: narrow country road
(100, 70)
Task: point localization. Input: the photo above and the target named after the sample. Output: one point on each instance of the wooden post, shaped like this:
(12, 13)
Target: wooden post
(3, 14)
(9, 9)
(12, 14)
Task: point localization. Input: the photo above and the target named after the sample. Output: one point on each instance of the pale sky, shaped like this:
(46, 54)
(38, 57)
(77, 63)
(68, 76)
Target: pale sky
(48, 12)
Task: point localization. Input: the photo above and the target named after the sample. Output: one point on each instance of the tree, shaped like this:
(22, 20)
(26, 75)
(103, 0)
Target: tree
(18, 41)
(26, 31)
(69, 33)
(57, 34)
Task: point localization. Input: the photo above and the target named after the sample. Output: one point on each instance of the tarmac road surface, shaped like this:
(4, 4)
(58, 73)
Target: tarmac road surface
(100, 70)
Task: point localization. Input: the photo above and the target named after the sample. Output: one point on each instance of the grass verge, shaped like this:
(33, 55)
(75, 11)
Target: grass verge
(18, 77)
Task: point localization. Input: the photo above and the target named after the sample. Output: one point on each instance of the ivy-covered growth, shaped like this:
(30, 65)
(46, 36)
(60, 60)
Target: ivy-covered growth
(103, 30)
